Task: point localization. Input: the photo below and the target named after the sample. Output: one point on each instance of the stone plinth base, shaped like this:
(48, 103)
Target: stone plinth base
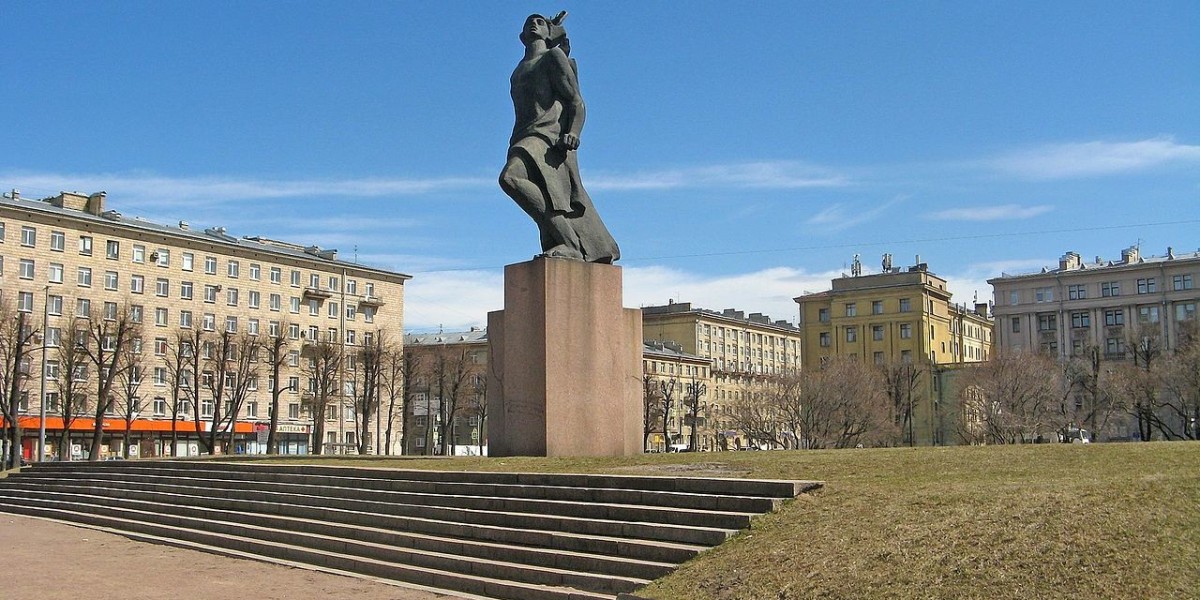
(565, 363)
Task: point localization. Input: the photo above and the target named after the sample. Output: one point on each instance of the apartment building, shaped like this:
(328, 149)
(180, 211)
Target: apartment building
(1098, 306)
(70, 258)
(449, 377)
(900, 316)
(676, 385)
(743, 350)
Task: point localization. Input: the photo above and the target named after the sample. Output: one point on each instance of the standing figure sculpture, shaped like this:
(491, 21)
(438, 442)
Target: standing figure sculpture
(542, 171)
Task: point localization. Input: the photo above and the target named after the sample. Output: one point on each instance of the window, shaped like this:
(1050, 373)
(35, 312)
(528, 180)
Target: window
(1148, 314)
(26, 268)
(294, 331)
(351, 286)
(55, 305)
(823, 315)
(273, 328)
(368, 314)
(1181, 282)
(111, 280)
(186, 290)
(25, 301)
(851, 309)
(1016, 325)
(1014, 298)
(1146, 286)
(1047, 322)
(231, 296)
(252, 408)
(877, 332)
(293, 358)
(56, 273)
(1114, 317)
(160, 405)
(54, 334)
(851, 334)
(905, 305)
(877, 307)
(112, 250)
(58, 241)
(110, 311)
(29, 237)
(255, 271)
(275, 301)
(210, 293)
(314, 307)
(254, 299)
(83, 308)
(252, 327)
(233, 269)
(1081, 320)
(231, 324)
(137, 284)
(1077, 292)
(370, 293)
(333, 283)
(906, 331)
(85, 245)
(1043, 294)
(294, 409)
(185, 319)
(188, 261)
(139, 253)
(1184, 311)
(162, 287)
(210, 265)
(208, 322)
(85, 276)
(314, 281)
(295, 305)
(160, 317)
(351, 312)
(1109, 289)
(135, 313)
(333, 310)
(276, 275)
(1114, 346)
(295, 278)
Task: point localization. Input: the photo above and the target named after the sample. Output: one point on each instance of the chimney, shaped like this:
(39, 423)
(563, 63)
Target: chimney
(183, 225)
(1070, 260)
(95, 203)
(1130, 255)
(981, 309)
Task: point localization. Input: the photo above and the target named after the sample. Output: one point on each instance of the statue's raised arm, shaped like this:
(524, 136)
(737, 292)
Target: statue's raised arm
(542, 170)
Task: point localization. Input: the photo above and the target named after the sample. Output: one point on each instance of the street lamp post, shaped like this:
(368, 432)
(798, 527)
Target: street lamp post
(42, 407)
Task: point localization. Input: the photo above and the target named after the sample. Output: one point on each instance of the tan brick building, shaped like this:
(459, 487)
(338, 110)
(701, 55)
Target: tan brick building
(70, 256)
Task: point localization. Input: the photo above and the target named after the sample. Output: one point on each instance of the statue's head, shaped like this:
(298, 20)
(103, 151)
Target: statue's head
(539, 27)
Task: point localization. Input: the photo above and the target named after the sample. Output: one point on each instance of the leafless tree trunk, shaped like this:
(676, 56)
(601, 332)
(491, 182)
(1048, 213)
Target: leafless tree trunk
(129, 382)
(277, 349)
(399, 368)
(106, 345)
(324, 362)
(371, 362)
(73, 380)
(17, 343)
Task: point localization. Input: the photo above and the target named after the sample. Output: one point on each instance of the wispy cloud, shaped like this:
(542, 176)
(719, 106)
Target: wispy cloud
(990, 213)
(838, 217)
(766, 174)
(1087, 159)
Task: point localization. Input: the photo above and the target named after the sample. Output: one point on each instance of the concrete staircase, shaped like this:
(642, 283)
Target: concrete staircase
(519, 536)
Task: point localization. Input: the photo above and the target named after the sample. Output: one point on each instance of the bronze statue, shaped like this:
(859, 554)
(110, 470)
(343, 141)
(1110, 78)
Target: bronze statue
(542, 172)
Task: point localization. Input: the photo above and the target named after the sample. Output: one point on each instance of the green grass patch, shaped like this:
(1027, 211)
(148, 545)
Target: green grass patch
(1047, 521)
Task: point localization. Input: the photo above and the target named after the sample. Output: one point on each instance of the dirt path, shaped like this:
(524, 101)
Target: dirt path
(56, 561)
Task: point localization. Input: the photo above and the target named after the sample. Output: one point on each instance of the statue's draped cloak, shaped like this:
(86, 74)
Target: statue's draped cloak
(540, 122)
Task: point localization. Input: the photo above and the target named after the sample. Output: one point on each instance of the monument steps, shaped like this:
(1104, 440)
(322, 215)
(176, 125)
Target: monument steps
(496, 535)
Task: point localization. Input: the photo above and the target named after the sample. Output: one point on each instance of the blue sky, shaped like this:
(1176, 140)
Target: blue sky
(741, 153)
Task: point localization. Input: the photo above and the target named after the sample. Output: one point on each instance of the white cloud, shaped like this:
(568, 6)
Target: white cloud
(1085, 159)
(765, 174)
(837, 217)
(990, 213)
(452, 300)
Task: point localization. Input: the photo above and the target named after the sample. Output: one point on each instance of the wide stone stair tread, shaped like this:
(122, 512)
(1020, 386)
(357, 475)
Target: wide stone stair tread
(520, 536)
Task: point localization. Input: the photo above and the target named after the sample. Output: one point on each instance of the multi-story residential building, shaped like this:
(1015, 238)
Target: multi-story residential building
(1101, 307)
(675, 387)
(73, 260)
(743, 351)
(896, 318)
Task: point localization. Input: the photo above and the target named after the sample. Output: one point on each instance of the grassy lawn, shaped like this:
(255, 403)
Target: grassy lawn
(1048, 521)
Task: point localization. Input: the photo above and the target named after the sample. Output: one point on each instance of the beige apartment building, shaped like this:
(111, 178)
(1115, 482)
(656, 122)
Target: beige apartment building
(1098, 306)
(70, 258)
(896, 318)
(743, 352)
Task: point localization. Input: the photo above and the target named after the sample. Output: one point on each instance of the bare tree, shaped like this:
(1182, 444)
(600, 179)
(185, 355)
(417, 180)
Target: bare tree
(277, 349)
(451, 370)
(72, 384)
(230, 370)
(371, 364)
(756, 412)
(651, 408)
(1142, 382)
(1019, 392)
(1179, 409)
(693, 392)
(323, 363)
(667, 389)
(901, 379)
(129, 382)
(182, 361)
(399, 371)
(17, 343)
(477, 405)
(106, 343)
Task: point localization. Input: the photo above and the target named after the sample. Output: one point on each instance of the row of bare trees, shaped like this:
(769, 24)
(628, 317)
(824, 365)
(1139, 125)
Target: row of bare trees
(100, 366)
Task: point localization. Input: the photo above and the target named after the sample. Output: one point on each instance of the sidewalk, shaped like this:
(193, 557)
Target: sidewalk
(57, 561)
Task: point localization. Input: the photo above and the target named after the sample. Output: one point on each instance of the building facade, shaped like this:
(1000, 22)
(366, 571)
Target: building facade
(743, 353)
(898, 319)
(675, 401)
(1098, 306)
(69, 261)
(449, 385)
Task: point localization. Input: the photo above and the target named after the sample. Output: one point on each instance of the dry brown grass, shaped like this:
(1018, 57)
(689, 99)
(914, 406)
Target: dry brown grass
(1052, 521)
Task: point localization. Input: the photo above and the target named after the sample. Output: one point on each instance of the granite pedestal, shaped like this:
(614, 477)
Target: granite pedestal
(565, 357)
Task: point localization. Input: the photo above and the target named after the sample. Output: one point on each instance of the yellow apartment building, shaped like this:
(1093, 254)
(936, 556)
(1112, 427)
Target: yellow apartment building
(70, 258)
(898, 318)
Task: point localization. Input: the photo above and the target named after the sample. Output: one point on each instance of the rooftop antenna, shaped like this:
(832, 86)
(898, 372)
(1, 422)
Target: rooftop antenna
(356, 254)
(856, 267)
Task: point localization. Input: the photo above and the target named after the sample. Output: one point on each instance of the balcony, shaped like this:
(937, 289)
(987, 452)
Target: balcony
(316, 292)
(371, 301)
